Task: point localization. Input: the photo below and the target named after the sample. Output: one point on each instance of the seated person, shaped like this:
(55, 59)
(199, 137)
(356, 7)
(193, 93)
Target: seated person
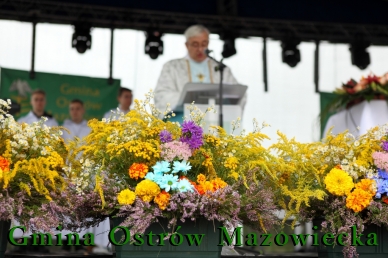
(38, 103)
(77, 125)
(125, 100)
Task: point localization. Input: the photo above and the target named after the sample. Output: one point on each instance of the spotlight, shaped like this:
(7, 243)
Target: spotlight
(229, 44)
(153, 44)
(82, 40)
(359, 56)
(290, 52)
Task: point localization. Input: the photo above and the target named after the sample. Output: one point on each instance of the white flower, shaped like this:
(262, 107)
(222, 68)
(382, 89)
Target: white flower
(356, 143)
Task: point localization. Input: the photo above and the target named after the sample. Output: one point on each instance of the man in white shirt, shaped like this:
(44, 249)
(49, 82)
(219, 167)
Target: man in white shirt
(38, 103)
(77, 125)
(125, 100)
(196, 67)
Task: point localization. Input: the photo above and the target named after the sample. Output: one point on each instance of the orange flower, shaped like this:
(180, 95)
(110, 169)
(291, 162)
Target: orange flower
(162, 199)
(4, 164)
(138, 170)
(200, 189)
(201, 178)
(368, 185)
(218, 183)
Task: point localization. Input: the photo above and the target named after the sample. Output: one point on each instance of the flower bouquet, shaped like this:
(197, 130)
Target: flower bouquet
(341, 181)
(353, 93)
(146, 170)
(31, 175)
(368, 88)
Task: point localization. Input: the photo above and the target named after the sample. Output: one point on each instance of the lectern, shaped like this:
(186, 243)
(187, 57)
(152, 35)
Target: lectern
(205, 95)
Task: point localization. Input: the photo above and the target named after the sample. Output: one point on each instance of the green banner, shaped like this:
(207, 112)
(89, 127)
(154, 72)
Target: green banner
(98, 96)
(325, 98)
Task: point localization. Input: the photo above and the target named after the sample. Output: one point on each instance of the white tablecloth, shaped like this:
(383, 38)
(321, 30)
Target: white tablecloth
(366, 115)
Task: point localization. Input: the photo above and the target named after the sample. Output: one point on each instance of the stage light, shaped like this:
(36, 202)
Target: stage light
(359, 55)
(82, 40)
(229, 48)
(153, 44)
(290, 52)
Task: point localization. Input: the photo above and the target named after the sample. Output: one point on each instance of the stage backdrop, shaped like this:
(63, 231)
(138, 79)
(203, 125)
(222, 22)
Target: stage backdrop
(97, 95)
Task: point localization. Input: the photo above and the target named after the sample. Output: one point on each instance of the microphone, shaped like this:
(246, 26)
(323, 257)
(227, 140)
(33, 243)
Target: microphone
(207, 51)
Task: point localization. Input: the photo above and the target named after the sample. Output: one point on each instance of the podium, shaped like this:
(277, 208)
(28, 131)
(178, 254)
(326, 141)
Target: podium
(205, 94)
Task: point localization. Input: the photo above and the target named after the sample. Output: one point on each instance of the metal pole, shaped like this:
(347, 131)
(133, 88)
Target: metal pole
(316, 66)
(32, 71)
(265, 78)
(221, 122)
(110, 80)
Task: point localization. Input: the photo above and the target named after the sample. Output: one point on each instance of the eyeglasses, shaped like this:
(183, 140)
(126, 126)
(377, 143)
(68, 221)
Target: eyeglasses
(197, 45)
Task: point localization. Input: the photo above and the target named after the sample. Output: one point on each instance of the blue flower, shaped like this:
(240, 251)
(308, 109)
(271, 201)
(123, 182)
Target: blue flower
(383, 174)
(382, 187)
(183, 166)
(161, 167)
(150, 176)
(155, 177)
(168, 182)
(184, 186)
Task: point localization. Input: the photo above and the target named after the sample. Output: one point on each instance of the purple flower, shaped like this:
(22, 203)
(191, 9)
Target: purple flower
(165, 136)
(192, 134)
(385, 145)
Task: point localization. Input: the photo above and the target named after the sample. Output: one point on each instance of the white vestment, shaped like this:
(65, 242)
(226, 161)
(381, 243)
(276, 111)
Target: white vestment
(176, 74)
(76, 130)
(31, 118)
(115, 113)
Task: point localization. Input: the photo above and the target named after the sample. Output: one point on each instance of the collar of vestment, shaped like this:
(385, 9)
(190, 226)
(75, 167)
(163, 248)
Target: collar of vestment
(45, 114)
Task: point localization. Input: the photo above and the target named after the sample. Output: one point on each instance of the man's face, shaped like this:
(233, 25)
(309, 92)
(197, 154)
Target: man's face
(125, 99)
(38, 102)
(77, 112)
(196, 46)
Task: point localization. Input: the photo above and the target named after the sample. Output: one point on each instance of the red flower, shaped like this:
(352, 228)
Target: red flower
(372, 78)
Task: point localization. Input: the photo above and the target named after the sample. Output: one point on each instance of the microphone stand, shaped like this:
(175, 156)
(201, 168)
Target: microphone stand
(220, 67)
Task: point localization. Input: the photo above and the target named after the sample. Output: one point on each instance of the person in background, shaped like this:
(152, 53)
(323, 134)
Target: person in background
(77, 125)
(125, 100)
(38, 103)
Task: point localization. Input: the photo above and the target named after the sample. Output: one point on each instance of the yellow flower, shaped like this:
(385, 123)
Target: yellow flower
(231, 163)
(162, 199)
(358, 200)
(147, 190)
(201, 178)
(126, 197)
(207, 186)
(338, 182)
(368, 185)
(234, 175)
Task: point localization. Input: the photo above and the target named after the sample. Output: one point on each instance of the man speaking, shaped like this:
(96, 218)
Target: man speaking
(196, 67)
